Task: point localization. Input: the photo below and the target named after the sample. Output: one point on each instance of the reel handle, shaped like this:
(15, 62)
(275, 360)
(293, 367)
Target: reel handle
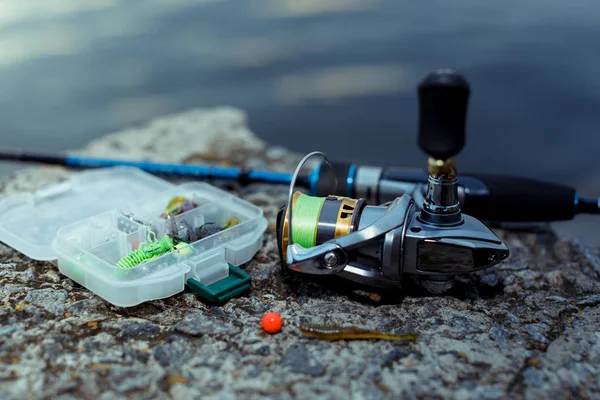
(443, 99)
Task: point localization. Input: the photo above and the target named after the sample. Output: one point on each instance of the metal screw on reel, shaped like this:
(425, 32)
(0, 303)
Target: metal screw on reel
(330, 259)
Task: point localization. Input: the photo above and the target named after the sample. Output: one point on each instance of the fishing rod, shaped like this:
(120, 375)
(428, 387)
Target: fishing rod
(203, 172)
(488, 197)
(493, 198)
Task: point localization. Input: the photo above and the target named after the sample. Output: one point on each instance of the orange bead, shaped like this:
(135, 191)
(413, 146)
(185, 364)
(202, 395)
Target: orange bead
(272, 322)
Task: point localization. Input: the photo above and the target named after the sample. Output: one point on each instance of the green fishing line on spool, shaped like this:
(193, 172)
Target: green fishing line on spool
(305, 217)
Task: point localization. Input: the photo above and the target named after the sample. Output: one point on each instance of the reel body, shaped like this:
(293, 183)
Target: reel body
(392, 244)
(386, 246)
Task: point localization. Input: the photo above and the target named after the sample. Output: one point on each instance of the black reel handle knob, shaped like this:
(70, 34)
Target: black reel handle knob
(443, 100)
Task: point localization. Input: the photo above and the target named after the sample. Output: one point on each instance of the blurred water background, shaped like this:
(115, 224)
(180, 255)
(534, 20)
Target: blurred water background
(339, 76)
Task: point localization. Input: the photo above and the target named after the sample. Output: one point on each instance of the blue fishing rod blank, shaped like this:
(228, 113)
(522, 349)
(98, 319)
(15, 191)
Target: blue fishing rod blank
(491, 198)
(203, 172)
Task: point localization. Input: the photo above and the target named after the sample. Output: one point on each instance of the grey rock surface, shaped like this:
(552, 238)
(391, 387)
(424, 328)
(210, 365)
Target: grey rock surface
(527, 328)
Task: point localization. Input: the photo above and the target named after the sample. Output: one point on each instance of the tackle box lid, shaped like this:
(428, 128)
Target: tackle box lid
(29, 222)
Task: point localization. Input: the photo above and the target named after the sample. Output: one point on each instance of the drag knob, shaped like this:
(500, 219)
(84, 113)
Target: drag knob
(443, 100)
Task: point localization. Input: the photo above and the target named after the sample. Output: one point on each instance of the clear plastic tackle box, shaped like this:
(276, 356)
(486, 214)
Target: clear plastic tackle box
(94, 223)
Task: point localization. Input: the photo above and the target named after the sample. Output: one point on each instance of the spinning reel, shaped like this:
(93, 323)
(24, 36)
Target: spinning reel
(392, 244)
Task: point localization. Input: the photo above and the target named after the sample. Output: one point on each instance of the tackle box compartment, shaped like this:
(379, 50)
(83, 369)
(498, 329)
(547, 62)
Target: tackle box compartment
(96, 224)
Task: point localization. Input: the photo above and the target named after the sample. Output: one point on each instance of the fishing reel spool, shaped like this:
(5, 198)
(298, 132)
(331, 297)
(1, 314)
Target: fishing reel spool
(393, 244)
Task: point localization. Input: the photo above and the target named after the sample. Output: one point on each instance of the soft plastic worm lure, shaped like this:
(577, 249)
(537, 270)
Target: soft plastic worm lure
(232, 222)
(178, 205)
(150, 250)
(326, 332)
(173, 203)
(146, 252)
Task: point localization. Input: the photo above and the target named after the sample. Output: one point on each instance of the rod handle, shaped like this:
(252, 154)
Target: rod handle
(514, 199)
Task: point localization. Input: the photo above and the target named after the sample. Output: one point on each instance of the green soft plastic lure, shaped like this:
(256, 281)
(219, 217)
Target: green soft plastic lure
(148, 251)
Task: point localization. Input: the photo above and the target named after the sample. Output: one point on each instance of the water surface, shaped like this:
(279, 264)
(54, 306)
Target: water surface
(339, 76)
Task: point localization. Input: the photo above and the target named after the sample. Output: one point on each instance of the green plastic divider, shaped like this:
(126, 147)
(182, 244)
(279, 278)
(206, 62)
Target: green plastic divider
(222, 291)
